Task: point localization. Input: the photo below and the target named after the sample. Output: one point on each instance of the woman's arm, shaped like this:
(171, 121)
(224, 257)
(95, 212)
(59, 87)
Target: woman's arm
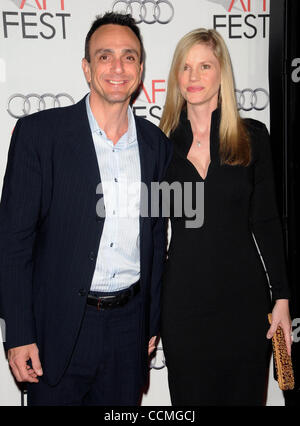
(267, 229)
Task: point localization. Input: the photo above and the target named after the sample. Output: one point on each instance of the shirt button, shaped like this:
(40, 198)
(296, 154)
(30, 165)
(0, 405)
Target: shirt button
(82, 292)
(116, 180)
(111, 244)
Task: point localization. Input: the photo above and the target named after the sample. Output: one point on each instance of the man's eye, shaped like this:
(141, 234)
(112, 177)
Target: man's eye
(103, 57)
(130, 58)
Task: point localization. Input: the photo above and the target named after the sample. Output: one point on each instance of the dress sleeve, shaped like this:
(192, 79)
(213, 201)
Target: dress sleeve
(264, 218)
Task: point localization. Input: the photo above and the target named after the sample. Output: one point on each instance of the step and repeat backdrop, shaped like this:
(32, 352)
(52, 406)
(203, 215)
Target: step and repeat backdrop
(41, 47)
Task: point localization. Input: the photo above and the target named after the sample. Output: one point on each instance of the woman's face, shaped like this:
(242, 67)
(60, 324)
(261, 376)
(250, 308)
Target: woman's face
(199, 78)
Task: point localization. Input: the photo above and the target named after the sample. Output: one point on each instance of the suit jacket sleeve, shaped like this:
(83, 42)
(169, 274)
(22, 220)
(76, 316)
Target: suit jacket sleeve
(159, 243)
(19, 214)
(266, 224)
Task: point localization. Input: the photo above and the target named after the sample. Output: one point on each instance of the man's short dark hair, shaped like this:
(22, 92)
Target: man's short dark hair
(126, 20)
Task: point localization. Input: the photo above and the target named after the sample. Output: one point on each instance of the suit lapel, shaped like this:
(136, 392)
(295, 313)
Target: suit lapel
(82, 144)
(80, 137)
(147, 163)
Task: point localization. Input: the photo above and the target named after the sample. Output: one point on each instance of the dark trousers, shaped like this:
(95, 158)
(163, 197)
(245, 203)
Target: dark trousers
(105, 367)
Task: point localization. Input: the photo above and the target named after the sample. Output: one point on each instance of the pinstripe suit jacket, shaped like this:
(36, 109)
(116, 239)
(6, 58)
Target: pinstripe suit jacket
(50, 233)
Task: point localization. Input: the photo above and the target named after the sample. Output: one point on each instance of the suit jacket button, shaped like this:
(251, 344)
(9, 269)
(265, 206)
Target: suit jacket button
(82, 292)
(92, 255)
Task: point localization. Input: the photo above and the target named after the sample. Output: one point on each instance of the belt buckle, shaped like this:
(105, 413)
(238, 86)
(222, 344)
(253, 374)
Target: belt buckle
(103, 298)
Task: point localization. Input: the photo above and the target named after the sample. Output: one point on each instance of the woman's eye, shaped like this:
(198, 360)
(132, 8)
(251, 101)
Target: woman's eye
(205, 66)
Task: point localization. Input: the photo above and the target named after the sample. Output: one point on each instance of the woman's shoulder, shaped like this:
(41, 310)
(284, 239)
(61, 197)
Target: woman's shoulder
(258, 132)
(254, 126)
(259, 138)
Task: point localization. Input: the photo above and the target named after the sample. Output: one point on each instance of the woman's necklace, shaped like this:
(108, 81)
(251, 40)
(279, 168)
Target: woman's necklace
(199, 144)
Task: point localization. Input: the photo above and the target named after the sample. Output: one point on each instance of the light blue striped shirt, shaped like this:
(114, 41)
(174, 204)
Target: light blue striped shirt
(118, 260)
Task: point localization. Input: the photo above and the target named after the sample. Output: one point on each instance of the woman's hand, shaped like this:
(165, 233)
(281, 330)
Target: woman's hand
(281, 316)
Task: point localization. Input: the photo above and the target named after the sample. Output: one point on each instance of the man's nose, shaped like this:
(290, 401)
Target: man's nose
(117, 65)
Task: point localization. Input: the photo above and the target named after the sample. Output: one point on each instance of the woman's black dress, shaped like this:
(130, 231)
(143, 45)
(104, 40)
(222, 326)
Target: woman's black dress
(216, 296)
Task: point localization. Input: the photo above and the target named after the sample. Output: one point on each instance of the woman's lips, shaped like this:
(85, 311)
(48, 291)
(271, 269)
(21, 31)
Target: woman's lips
(194, 89)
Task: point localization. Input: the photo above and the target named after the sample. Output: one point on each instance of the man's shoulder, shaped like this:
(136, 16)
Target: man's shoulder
(151, 130)
(146, 123)
(50, 118)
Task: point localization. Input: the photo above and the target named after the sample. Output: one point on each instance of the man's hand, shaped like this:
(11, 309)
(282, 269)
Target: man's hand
(152, 345)
(18, 358)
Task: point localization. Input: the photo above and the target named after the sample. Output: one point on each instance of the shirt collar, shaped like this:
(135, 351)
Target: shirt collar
(130, 136)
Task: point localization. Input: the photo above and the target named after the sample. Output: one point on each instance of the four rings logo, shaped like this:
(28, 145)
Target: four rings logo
(248, 99)
(19, 106)
(158, 362)
(143, 12)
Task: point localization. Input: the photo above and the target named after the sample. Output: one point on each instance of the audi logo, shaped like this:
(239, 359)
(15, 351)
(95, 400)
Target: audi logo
(158, 364)
(146, 8)
(248, 99)
(19, 105)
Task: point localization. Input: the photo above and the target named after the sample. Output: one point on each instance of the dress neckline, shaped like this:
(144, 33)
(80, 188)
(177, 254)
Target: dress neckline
(182, 136)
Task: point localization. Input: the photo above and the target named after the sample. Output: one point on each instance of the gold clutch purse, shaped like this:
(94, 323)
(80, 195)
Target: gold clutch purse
(283, 362)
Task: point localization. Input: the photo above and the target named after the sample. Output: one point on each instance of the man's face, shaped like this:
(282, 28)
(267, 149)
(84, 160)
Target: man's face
(114, 71)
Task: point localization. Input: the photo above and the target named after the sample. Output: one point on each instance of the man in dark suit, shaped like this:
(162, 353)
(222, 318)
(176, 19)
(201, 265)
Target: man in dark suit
(80, 289)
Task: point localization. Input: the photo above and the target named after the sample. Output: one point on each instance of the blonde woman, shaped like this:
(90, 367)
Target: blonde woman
(216, 296)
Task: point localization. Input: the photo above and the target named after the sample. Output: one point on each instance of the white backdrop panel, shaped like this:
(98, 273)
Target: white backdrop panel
(41, 47)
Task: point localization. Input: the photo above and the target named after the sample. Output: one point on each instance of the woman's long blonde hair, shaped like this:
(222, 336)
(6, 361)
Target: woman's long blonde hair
(234, 140)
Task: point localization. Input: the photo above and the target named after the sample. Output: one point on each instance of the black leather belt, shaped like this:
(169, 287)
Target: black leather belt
(113, 301)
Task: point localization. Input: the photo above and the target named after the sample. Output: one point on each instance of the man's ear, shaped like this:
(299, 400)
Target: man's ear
(86, 69)
(141, 71)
